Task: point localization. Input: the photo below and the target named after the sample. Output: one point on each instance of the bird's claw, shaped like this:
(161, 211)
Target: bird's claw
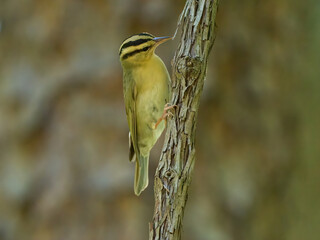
(165, 114)
(167, 106)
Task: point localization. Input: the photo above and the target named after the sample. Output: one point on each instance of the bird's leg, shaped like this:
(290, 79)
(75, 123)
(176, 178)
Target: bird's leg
(165, 114)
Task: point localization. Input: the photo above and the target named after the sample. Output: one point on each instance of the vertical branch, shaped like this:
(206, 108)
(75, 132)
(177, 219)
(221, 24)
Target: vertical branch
(173, 174)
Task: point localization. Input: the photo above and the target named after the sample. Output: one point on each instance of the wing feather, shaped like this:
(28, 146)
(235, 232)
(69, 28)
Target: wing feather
(130, 96)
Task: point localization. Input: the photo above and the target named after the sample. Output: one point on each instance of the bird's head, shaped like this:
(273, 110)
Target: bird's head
(139, 48)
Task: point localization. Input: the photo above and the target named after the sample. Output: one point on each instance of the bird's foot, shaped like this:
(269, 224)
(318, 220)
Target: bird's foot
(165, 114)
(168, 106)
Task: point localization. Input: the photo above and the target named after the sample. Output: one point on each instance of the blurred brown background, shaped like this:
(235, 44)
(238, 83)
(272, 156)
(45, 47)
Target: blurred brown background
(64, 169)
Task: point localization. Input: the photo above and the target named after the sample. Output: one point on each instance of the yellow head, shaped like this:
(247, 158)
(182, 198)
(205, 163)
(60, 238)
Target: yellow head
(139, 48)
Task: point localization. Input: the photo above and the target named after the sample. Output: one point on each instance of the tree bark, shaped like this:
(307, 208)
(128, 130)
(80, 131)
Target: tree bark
(174, 172)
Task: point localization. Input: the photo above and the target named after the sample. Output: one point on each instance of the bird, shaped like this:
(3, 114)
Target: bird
(146, 91)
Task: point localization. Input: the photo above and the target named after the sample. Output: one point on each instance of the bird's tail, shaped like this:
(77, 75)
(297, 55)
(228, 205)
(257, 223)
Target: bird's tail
(141, 178)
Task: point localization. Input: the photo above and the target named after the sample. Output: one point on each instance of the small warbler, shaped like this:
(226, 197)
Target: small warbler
(145, 87)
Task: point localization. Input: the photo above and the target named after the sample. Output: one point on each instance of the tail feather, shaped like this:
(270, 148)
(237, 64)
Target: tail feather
(141, 179)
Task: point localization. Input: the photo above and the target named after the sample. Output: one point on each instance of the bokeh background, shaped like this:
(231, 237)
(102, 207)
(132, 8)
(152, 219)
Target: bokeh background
(64, 169)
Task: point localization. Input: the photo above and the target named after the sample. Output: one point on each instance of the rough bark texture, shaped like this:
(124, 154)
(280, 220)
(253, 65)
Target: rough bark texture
(174, 172)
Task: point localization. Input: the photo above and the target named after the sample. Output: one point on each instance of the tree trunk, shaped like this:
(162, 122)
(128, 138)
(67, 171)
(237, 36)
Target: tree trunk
(173, 174)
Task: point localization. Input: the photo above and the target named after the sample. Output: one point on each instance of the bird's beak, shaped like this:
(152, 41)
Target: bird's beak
(160, 40)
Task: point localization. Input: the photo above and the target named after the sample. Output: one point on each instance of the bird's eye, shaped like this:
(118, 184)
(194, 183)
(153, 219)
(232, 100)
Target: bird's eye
(130, 54)
(145, 49)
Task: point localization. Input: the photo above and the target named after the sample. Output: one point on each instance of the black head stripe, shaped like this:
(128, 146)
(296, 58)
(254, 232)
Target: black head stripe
(130, 54)
(146, 34)
(134, 43)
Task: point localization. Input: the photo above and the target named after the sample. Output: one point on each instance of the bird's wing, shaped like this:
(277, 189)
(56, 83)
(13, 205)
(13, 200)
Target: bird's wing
(132, 154)
(130, 96)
